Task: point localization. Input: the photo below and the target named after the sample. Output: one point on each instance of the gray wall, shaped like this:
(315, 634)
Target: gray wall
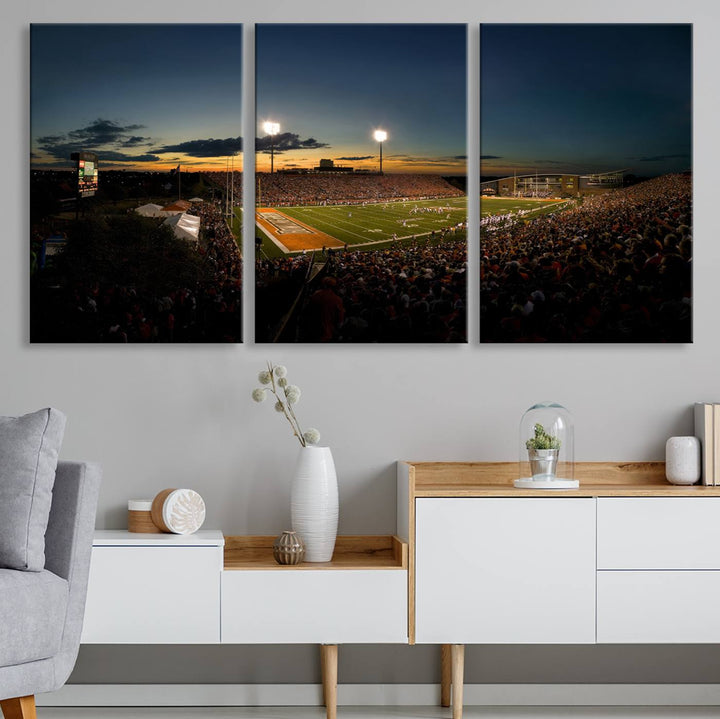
(182, 416)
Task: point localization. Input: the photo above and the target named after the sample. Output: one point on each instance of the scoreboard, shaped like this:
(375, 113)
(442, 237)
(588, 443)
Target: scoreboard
(87, 173)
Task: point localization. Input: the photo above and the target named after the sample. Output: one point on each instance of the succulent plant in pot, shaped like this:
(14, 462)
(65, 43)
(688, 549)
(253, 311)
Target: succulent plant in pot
(543, 450)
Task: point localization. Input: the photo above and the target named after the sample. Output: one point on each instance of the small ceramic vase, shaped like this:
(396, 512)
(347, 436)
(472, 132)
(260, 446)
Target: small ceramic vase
(288, 548)
(682, 460)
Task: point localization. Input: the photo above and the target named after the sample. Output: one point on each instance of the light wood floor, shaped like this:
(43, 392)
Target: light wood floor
(384, 713)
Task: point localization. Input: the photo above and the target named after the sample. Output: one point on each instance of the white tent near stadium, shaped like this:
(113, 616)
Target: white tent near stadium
(150, 210)
(185, 227)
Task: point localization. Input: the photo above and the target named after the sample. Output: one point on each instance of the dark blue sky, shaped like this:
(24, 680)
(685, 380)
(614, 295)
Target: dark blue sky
(139, 95)
(337, 83)
(583, 98)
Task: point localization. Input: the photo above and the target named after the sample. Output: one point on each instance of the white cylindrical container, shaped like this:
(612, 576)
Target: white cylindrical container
(314, 503)
(179, 511)
(682, 460)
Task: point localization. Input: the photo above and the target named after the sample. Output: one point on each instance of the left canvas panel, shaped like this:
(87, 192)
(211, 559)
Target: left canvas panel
(135, 183)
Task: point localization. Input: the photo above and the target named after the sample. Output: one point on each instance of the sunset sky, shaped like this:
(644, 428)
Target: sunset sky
(143, 97)
(330, 86)
(586, 98)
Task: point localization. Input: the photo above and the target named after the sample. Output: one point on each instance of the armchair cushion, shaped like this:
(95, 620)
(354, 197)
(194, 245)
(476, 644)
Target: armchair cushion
(32, 615)
(29, 447)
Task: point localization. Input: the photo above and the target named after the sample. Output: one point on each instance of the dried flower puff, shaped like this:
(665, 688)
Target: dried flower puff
(264, 377)
(259, 394)
(311, 436)
(280, 371)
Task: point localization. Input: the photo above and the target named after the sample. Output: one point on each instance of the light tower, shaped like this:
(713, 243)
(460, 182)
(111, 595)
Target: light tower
(380, 136)
(272, 129)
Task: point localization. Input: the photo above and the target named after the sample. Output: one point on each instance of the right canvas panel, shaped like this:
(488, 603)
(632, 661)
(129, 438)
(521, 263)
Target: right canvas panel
(586, 183)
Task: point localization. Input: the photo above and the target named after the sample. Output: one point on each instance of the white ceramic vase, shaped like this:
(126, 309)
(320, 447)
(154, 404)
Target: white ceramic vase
(682, 460)
(314, 502)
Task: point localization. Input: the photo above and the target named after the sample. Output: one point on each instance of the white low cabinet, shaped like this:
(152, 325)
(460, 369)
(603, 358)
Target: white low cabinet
(154, 589)
(309, 606)
(505, 570)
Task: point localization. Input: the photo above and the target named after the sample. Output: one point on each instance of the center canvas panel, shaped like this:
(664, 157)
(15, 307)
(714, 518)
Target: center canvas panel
(361, 206)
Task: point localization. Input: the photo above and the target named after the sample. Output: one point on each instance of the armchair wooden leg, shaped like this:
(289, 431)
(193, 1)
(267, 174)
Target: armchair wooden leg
(329, 662)
(458, 670)
(19, 708)
(446, 676)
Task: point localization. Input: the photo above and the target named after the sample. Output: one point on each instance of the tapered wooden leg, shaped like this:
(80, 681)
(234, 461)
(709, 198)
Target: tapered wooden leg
(19, 708)
(322, 673)
(458, 670)
(329, 662)
(446, 675)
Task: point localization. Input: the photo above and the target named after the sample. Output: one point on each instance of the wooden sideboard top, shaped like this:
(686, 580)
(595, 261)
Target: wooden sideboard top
(351, 552)
(597, 479)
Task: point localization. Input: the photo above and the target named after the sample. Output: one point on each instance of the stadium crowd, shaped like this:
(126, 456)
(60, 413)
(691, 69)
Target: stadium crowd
(281, 189)
(208, 311)
(222, 179)
(414, 293)
(617, 268)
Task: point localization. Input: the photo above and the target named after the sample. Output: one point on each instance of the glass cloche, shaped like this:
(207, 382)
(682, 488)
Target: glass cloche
(547, 448)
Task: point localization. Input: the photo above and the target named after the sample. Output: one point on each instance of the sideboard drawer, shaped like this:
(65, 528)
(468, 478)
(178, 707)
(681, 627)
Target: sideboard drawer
(658, 607)
(658, 532)
(307, 606)
(153, 595)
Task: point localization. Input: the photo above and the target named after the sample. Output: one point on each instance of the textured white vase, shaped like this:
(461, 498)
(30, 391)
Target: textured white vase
(683, 460)
(314, 503)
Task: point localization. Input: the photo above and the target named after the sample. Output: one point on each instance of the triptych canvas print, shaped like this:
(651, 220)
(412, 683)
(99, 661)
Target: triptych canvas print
(361, 192)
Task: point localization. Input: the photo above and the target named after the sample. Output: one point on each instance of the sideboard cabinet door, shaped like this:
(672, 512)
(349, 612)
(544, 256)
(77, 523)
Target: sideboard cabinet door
(505, 570)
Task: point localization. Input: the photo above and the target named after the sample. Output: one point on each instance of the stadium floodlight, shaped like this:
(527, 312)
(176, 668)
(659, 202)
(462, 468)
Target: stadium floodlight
(380, 136)
(272, 129)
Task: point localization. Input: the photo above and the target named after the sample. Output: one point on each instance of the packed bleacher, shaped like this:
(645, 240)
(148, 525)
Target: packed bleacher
(280, 189)
(223, 179)
(415, 293)
(617, 268)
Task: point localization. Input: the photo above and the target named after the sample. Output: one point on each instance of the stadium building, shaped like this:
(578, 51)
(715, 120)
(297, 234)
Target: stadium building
(330, 166)
(552, 185)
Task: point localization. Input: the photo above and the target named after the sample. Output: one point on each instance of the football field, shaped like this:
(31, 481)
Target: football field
(503, 205)
(286, 230)
(293, 229)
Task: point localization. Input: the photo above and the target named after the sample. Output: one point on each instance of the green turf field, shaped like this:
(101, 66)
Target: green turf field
(503, 205)
(373, 226)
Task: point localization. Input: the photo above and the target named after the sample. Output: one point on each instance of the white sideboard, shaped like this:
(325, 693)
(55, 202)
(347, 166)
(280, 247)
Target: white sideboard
(204, 588)
(627, 558)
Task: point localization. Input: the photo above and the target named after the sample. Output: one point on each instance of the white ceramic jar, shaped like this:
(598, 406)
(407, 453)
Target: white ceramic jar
(682, 460)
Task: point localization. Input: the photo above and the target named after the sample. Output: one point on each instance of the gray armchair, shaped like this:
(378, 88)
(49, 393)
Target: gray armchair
(41, 613)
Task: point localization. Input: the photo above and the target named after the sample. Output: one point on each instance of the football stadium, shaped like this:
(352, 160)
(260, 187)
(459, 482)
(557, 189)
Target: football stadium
(385, 239)
(610, 267)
